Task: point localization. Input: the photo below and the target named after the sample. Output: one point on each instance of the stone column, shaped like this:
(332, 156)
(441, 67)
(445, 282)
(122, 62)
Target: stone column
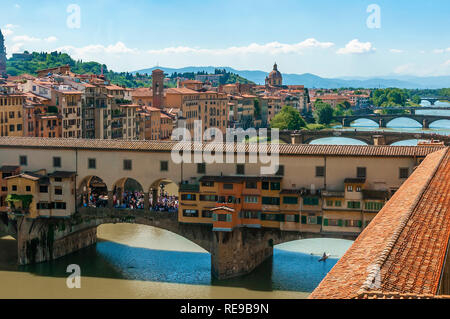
(297, 138)
(110, 199)
(378, 140)
(146, 201)
(382, 123)
(426, 124)
(239, 252)
(40, 240)
(155, 196)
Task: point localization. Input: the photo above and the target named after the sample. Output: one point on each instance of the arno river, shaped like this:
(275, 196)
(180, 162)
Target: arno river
(133, 261)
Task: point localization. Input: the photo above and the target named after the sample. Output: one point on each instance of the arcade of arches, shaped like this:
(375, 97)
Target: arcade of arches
(127, 193)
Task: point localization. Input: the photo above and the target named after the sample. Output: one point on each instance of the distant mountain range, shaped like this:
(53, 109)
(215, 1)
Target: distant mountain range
(313, 81)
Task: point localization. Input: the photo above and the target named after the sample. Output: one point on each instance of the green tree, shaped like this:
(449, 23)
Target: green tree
(288, 119)
(416, 99)
(323, 112)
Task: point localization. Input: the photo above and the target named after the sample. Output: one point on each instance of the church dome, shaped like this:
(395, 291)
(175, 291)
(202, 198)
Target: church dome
(275, 78)
(275, 74)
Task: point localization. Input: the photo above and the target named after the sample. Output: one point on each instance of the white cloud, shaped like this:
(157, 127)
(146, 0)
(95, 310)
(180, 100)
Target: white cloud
(25, 38)
(87, 51)
(423, 69)
(357, 47)
(254, 48)
(51, 39)
(396, 51)
(8, 29)
(16, 47)
(405, 69)
(440, 51)
(17, 6)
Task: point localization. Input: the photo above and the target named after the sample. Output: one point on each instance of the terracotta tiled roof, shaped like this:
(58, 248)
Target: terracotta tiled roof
(114, 87)
(142, 92)
(396, 295)
(181, 91)
(403, 249)
(284, 149)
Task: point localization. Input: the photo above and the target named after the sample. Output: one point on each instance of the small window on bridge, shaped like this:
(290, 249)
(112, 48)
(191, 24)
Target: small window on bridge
(361, 172)
(240, 169)
(201, 168)
(127, 165)
(280, 171)
(404, 173)
(56, 162)
(320, 171)
(164, 166)
(92, 163)
(23, 160)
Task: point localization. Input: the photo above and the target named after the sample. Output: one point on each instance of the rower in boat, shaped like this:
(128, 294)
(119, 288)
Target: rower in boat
(324, 257)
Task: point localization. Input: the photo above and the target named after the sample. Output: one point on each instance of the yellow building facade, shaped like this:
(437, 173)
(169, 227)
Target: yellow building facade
(11, 114)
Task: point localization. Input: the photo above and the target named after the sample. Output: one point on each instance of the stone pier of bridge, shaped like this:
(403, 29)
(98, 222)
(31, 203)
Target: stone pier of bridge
(233, 253)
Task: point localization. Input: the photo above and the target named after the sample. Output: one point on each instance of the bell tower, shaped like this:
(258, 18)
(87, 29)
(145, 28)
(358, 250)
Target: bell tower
(2, 56)
(158, 88)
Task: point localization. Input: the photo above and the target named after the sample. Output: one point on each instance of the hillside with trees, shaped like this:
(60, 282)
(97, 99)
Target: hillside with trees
(30, 63)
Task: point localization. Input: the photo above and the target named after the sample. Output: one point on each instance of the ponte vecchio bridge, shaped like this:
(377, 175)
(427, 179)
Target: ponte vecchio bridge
(234, 252)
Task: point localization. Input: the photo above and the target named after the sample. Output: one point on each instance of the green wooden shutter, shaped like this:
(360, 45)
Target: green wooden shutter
(340, 223)
(263, 216)
(360, 223)
(319, 220)
(303, 219)
(280, 217)
(325, 222)
(297, 218)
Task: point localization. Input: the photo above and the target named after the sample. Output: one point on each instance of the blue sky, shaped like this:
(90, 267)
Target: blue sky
(324, 37)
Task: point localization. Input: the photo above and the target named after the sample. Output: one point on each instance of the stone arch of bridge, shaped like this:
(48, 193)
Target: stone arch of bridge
(199, 234)
(353, 120)
(127, 193)
(368, 141)
(164, 194)
(403, 116)
(92, 192)
(447, 122)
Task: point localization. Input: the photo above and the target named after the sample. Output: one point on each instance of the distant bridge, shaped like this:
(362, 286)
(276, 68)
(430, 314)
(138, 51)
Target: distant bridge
(434, 99)
(411, 109)
(383, 120)
(368, 137)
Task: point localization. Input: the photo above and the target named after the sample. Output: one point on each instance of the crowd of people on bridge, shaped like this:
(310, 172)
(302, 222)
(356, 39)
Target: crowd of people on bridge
(129, 200)
(165, 203)
(132, 200)
(95, 200)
